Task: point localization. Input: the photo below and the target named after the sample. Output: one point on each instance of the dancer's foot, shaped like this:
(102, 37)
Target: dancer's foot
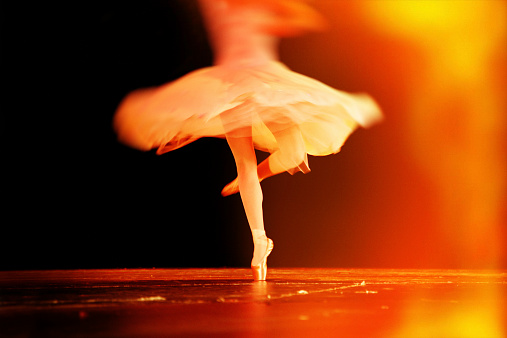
(231, 188)
(259, 261)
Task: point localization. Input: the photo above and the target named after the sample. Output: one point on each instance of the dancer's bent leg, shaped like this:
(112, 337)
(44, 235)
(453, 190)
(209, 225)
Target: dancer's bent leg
(263, 171)
(290, 143)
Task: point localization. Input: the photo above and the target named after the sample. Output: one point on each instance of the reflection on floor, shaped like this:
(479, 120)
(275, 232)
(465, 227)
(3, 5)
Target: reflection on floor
(295, 302)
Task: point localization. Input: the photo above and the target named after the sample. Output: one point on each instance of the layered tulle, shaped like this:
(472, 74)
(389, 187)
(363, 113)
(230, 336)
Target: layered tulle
(268, 102)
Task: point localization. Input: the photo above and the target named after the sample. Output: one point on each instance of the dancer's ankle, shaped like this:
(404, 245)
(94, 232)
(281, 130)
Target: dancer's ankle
(259, 235)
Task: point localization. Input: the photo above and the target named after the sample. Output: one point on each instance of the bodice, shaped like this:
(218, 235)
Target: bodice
(236, 33)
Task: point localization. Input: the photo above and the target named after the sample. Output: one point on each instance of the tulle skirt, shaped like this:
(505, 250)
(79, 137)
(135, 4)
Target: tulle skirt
(283, 111)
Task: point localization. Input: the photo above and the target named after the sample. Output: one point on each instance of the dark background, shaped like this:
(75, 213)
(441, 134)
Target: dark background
(76, 198)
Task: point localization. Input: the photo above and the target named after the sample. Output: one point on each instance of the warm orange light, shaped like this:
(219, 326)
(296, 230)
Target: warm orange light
(426, 316)
(457, 133)
(457, 115)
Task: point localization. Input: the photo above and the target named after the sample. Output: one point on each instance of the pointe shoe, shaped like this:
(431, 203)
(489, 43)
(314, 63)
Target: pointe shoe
(260, 270)
(231, 188)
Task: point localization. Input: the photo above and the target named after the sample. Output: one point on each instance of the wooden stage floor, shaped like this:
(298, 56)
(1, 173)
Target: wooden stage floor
(295, 302)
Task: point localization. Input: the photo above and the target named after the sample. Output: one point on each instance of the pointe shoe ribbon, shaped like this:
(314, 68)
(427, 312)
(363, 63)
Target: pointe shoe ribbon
(260, 270)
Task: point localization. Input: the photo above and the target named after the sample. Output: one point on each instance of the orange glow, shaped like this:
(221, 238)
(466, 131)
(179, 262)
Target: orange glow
(457, 114)
(470, 313)
(456, 123)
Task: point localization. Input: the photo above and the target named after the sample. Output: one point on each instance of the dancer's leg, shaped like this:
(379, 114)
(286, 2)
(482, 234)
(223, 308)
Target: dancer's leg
(276, 164)
(250, 191)
(264, 171)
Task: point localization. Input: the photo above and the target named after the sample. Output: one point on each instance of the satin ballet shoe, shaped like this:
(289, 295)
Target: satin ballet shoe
(231, 188)
(260, 270)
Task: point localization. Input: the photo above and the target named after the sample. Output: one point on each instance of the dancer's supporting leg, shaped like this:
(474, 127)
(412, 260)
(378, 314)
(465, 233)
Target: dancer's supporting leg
(250, 190)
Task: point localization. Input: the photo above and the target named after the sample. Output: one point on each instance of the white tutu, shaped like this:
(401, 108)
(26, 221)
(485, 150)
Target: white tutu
(271, 99)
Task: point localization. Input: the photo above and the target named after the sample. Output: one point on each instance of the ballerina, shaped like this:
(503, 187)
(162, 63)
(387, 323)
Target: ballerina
(252, 100)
